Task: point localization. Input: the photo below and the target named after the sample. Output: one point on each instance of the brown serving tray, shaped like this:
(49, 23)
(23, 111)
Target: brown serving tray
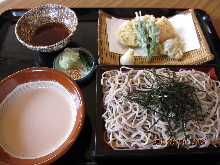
(14, 57)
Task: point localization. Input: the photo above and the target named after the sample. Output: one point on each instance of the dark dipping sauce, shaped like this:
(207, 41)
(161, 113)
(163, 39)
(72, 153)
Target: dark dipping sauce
(49, 34)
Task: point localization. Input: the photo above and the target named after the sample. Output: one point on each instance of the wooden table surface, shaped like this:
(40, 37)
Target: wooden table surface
(212, 7)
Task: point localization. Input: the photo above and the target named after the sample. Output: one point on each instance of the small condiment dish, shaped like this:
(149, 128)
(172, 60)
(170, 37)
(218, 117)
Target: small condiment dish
(47, 28)
(85, 58)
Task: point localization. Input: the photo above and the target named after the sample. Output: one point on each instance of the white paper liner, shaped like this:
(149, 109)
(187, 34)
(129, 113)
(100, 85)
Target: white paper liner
(26, 87)
(185, 28)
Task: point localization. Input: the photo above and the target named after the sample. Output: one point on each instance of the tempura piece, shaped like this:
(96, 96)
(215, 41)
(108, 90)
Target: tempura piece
(166, 29)
(173, 48)
(127, 35)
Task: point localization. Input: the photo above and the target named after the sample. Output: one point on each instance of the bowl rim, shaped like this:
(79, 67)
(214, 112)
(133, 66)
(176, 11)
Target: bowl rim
(84, 78)
(47, 46)
(78, 125)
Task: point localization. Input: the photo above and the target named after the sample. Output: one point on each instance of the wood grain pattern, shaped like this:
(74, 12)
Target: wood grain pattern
(212, 7)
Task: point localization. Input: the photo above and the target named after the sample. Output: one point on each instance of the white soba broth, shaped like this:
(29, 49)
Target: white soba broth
(36, 118)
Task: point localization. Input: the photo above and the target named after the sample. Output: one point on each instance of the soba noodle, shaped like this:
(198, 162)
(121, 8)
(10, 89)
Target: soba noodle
(126, 122)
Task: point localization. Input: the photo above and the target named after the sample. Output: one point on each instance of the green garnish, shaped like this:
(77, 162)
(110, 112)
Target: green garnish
(88, 67)
(148, 36)
(85, 61)
(173, 101)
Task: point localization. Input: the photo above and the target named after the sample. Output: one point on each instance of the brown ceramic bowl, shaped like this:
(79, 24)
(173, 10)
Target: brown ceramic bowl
(41, 74)
(36, 18)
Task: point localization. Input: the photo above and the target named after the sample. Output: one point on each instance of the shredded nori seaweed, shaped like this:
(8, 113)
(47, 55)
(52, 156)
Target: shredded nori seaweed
(174, 102)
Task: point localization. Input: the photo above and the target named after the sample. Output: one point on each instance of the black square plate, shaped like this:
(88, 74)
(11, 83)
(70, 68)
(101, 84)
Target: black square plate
(103, 151)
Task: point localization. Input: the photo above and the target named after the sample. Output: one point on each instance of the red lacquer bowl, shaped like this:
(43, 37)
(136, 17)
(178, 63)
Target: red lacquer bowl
(43, 74)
